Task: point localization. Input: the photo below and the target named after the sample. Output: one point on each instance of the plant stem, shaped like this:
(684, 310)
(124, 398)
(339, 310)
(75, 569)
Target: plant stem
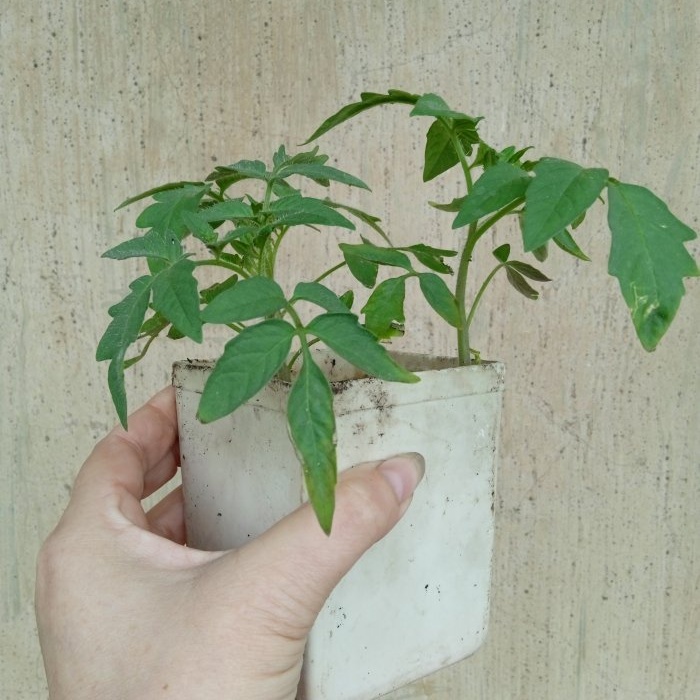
(217, 262)
(463, 354)
(480, 293)
(330, 271)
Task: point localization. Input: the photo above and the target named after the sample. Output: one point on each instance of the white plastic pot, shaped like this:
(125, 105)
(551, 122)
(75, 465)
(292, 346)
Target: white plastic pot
(419, 599)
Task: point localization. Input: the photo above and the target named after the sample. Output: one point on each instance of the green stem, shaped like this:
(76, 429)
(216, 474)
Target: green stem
(217, 262)
(480, 293)
(330, 271)
(463, 354)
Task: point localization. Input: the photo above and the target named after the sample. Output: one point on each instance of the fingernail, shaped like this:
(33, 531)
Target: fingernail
(403, 472)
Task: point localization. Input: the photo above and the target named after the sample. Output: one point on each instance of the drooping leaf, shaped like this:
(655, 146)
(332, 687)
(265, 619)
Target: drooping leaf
(249, 362)
(497, 187)
(165, 214)
(154, 244)
(648, 258)
(367, 101)
(322, 296)
(176, 296)
(440, 153)
(518, 282)
(343, 334)
(127, 318)
(560, 192)
(566, 242)
(384, 308)
(312, 430)
(254, 297)
(528, 271)
(439, 296)
(123, 330)
(541, 253)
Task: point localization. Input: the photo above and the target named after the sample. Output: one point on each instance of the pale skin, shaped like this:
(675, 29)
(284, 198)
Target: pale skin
(126, 611)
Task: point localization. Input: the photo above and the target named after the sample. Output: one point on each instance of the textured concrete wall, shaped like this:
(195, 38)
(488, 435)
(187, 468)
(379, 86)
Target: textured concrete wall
(596, 564)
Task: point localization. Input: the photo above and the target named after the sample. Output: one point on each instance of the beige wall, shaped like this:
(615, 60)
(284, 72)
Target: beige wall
(596, 564)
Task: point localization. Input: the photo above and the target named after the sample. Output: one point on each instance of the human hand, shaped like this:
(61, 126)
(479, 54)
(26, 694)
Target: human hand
(126, 611)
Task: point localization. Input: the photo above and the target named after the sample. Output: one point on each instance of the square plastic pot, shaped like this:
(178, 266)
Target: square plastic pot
(419, 599)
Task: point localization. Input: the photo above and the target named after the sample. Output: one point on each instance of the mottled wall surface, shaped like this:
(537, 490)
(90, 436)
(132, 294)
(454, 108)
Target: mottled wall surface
(596, 568)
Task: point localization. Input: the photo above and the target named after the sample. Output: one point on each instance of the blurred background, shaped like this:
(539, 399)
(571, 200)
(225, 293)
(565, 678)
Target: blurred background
(596, 572)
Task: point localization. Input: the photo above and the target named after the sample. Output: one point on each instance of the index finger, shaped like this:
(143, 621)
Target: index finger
(138, 461)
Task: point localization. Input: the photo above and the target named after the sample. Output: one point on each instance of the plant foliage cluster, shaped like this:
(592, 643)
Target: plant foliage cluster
(243, 233)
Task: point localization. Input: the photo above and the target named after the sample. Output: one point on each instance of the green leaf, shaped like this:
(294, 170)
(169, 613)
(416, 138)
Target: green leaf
(439, 296)
(199, 227)
(432, 257)
(369, 219)
(248, 363)
(367, 101)
(440, 153)
(566, 242)
(243, 169)
(319, 294)
(319, 172)
(312, 430)
(254, 297)
(348, 298)
(230, 210)
(454, 206)
(560, 192)
(154, 244)
(502, 253)
(648, 258)
(375, 254)
(431, 105)
(165, 214)
(127, 317)
(497, 187)
(123, 330)
(519, 283)
(541, 253)
(528, 271)
(175, 295)
(295, 210)
(156, 190)
(363, 271)
(384, 308)
(343, 334)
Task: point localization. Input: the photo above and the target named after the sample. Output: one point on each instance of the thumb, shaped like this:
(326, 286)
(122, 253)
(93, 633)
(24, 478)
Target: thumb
(307, 564)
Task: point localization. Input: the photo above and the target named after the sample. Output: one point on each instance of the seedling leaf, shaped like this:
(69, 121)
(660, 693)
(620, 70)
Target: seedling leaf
(249, 362)
(439, 296)
(384, 308)
(497, 187)
(254, 297)
(344, 335)
(312, 430)
(176, 296)
(560, 192)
